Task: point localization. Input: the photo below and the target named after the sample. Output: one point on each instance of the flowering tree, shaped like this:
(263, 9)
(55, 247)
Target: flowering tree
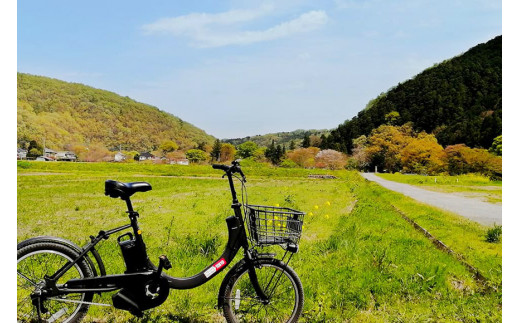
(331, 159)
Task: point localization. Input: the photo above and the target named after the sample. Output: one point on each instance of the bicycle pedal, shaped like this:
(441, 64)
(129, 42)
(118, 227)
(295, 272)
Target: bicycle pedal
(165, 261)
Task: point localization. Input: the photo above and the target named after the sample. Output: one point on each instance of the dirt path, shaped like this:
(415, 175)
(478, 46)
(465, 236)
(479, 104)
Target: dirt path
(473, 209)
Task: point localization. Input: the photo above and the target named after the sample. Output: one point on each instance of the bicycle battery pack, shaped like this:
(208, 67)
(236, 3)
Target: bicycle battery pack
(134, 256)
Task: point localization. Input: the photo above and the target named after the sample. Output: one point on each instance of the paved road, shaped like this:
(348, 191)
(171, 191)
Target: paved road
(473, 209)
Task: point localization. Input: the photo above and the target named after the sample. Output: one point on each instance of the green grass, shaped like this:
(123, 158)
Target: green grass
(358, 259)
(470, 185)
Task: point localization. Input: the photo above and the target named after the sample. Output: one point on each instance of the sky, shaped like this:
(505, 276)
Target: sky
(243, 68)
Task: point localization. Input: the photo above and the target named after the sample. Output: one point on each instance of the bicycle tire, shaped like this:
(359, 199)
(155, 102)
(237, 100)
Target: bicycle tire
(45, 258)
(279, 282)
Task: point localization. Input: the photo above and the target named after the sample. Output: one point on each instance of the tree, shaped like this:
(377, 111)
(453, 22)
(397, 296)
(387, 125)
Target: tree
(331, 159)
(360, 158)
(292, 145)
(274, 153)
(462, 159)
(246, 149)
(34, 149)
(314, 141)
(496, 147)
(216, 151)
(392, 118)
(303, 157)
(306, 143)
(168, 146)
(196, 155)
(259, 155)
(423, 155)
(227, 152)
(385, 145)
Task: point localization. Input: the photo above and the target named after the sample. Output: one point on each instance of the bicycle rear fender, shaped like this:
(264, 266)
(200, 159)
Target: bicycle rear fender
(70, 244)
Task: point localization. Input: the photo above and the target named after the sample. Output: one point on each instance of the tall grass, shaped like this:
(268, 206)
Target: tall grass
(358, 259)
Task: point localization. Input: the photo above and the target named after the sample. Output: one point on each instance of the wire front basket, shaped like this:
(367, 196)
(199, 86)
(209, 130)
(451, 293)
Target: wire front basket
(271, 225)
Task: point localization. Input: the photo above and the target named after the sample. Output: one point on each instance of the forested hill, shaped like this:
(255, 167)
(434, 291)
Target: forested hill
(459, 100)
(68, 114)
(280, 138)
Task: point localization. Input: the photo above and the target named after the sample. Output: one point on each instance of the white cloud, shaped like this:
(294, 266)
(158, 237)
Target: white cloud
(212, 30)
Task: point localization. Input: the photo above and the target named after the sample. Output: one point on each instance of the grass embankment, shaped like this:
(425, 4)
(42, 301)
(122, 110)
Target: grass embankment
(358, 260)
(474, 186)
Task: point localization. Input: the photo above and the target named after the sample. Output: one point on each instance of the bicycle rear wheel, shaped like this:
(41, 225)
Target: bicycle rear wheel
(279, 283)
(45, 258)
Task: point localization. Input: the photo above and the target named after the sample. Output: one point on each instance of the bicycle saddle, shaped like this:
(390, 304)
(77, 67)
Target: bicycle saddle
(125, 190)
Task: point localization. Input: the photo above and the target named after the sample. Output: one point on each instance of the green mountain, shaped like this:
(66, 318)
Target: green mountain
(459, 100)
(280, 138)
(66, 114)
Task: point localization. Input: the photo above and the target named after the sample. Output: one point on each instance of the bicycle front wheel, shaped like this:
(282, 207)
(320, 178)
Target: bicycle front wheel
(279, 283)
(41, 259)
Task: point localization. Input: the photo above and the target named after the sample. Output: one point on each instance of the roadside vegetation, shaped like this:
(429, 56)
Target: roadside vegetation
(358, 259)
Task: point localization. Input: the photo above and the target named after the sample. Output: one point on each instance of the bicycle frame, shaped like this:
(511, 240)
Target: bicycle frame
(236, 239)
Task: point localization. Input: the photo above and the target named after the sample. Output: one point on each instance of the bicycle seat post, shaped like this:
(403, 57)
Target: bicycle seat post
(131, 212)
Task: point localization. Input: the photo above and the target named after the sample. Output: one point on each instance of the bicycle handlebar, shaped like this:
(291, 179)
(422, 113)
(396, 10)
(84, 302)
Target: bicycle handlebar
(222, 167)
(234, 168)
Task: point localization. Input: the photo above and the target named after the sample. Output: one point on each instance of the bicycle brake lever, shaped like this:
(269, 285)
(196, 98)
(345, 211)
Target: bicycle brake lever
(243, 176)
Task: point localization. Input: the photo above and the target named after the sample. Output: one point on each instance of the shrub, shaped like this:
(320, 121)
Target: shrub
(24, 164)
(287, 163)
(493, 234)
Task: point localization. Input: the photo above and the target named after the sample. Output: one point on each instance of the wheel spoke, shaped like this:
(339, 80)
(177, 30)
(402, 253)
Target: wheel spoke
(44, 259)
(26, 278)
(283, 288)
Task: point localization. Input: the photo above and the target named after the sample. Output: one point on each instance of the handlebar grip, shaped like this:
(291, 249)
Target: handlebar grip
(222, 167)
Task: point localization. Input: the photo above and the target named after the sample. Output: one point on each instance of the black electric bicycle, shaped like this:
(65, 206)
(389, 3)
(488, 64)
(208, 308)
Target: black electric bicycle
(57, 279)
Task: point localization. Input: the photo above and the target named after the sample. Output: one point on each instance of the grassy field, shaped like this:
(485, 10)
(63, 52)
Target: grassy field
(358, 260)
(471, 185)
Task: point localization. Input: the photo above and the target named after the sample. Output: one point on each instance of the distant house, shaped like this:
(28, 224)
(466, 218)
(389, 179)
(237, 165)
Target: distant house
(146, 156)
(21, 153)
(49, 153)
(180, 161)
(119, 157)
(65, 156)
